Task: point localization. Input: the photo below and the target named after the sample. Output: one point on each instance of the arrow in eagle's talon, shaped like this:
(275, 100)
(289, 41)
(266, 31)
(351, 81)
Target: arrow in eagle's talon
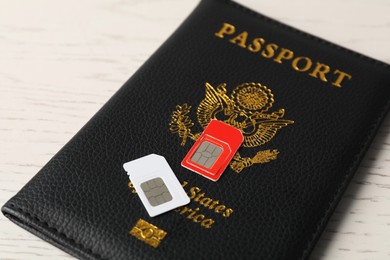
(248, 108)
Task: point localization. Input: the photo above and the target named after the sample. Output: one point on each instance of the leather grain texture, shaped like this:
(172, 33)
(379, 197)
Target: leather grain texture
(80, 200)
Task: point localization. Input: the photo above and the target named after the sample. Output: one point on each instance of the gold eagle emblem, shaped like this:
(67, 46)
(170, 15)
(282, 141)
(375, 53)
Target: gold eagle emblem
(246, 109)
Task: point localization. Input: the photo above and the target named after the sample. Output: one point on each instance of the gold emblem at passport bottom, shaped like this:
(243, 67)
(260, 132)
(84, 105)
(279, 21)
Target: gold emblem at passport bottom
(246, 109)
(148, 233)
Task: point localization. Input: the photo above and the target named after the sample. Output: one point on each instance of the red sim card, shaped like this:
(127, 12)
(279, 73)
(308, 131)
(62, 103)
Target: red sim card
(215, 148)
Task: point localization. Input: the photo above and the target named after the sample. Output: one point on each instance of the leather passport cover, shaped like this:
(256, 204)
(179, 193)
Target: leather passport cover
(308, 111)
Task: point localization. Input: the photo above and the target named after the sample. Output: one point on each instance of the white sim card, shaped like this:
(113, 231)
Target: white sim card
(156, 184)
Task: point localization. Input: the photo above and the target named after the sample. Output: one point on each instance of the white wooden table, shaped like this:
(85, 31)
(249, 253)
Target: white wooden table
(60, 61)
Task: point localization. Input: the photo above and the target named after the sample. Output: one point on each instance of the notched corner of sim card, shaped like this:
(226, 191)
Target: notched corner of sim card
(185, 200)
(241, 134)
(126, 166)
(135, 164)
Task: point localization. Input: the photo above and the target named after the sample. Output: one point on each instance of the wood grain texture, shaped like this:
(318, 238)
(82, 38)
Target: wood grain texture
(60, 61)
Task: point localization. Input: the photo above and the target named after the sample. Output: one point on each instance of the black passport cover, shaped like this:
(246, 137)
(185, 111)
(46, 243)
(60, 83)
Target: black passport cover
(304, 140)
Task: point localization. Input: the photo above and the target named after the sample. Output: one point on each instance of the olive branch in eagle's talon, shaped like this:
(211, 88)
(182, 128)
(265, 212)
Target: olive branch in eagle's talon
(239, 163)
(247, 108)
(181, 123)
